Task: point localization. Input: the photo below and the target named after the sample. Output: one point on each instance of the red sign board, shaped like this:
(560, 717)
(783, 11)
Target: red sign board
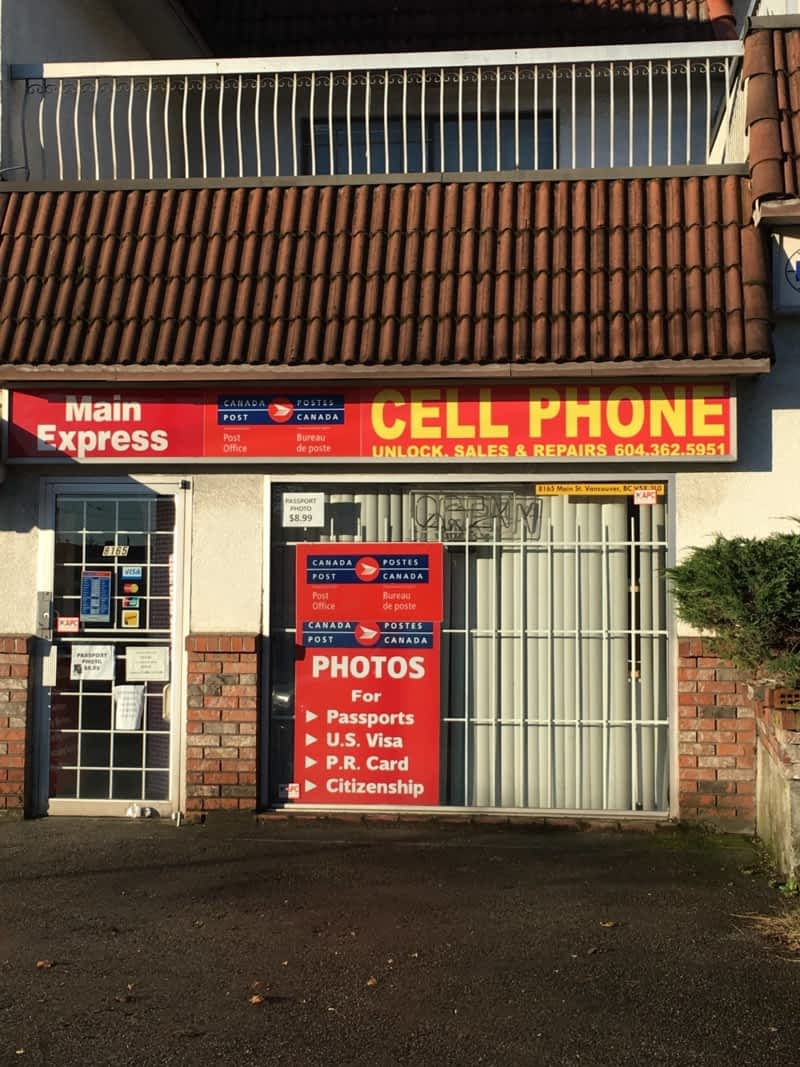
(367, 683)
(636, 421)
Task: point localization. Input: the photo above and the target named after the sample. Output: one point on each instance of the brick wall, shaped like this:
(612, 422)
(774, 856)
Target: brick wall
(15, 662)
(716, 739)
(221, 771)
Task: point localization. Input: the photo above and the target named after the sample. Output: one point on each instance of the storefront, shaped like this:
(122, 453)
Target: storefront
(458, 593)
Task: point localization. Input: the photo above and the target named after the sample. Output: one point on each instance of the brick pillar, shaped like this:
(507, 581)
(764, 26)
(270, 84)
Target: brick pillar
(716, 740)
(15, 688)
(222, 723)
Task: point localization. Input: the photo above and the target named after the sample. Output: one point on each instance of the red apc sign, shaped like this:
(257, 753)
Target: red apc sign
(367, 683)
(642, 421)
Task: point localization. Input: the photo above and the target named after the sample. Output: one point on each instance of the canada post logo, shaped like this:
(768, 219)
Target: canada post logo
(382, 569)
(307, 410)
(341, 634)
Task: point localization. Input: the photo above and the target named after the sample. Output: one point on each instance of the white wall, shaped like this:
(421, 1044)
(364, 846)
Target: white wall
(227, 553)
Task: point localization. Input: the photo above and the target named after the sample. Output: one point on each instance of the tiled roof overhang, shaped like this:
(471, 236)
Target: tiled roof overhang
(635, 276)
(307, 27)
(772, 72)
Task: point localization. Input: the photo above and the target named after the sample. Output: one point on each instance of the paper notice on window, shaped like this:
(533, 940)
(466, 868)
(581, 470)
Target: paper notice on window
(147, 663)
(128, 707)
(94, 663)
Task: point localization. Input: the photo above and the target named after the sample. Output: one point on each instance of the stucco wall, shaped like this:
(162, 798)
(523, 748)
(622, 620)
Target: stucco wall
(227, 553)
(19, 507)
(761, 492)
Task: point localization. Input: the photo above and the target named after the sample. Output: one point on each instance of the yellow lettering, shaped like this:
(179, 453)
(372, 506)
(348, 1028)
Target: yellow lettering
(487, 428)
(453, 427)
(707, 406)
(423, 412)
(672, 412)
(543, 403)
(616, 398)
(393, 428)
(591, 410)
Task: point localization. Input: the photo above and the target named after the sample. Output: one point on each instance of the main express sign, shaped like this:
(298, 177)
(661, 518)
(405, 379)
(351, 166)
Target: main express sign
(691, 420)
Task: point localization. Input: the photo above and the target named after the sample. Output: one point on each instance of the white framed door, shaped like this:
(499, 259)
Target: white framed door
(112, 602)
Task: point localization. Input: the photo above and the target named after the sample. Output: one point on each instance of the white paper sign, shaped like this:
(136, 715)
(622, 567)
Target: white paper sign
(147, 664)
(93, 663)
(303, 509)
(128, 707)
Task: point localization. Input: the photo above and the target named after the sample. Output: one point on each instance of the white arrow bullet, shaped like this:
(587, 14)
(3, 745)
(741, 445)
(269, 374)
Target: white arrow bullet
(311, 740)
(310, 716)
(310, 762)
(367, 568)
(309, 786)
(367, 634)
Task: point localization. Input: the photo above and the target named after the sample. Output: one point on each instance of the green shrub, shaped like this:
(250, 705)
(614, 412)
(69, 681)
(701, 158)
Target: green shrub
(745, 593)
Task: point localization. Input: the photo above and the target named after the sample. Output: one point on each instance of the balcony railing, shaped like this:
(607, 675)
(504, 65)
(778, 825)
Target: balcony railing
(660, 105)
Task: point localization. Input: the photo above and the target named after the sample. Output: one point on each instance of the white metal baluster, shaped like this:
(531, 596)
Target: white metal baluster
(221, 125)
(131, 146)
(441, 120)
(239, 148)
(367, 106)
(536, 119)
(630, 114)
(330, 124)
(203, 147)
(275, 132)
(554, 101)
(294, 125)
(95, 148)
(461, 119)
(349, 121)
(516, 117)
(479, 118)
(59, 146)
(148, 127)
(688, 110)
(573, 89)
(423, 147)
(311, 130)
(468, 791)
(257, 125)
(25, 108)
(185, 125)
(612, 113)
(497, 163)
(669, 112)
(112, 127)
(167, 139)
(42, 99)
(592, 115)
(405, 121)
(708, 110)
(650, 113)
(76, 129)
(728, 96)
(386, 121)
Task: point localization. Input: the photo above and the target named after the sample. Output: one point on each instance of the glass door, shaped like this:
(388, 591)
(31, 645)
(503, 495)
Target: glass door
(111, 734)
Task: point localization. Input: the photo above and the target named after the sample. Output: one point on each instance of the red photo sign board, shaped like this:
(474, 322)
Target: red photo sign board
(367, 683)
(631, 421)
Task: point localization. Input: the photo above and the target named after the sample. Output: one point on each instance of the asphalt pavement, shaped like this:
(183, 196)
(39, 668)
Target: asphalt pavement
(136, 942)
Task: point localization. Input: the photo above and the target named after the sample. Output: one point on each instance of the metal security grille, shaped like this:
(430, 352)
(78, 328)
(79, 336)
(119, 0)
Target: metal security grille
(90, 757)
(554, 690)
